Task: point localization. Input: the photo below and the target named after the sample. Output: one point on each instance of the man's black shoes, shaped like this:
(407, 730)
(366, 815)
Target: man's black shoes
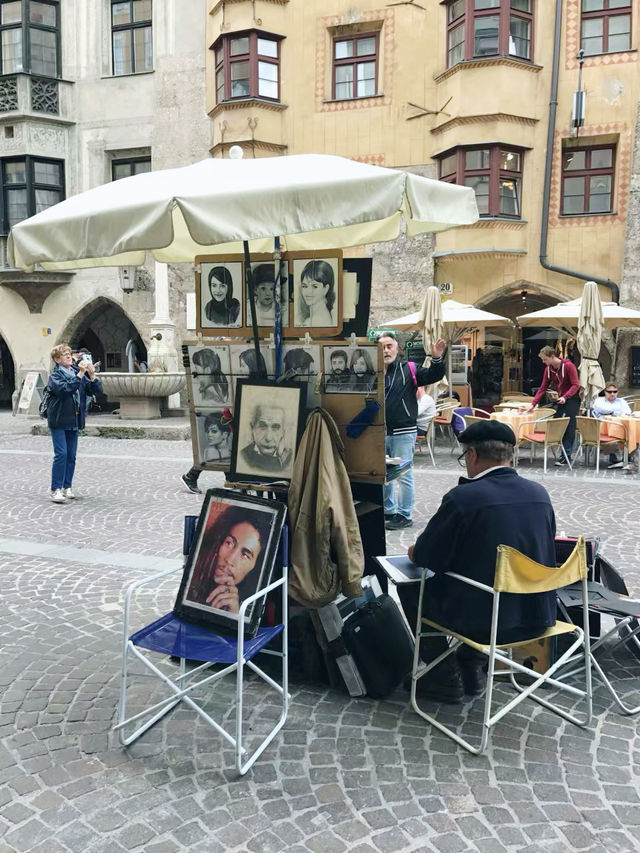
(442, 684)
(398, 522)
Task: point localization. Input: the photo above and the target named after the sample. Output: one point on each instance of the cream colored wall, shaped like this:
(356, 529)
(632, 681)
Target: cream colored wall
(488, 102)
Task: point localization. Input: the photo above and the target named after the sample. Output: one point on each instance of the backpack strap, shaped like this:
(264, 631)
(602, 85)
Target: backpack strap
(412, 371)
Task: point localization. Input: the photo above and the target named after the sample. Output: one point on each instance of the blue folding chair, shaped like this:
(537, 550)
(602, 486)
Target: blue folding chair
(176, 638)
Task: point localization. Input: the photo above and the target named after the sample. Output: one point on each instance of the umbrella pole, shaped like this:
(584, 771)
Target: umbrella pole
(252, 304)
(277, 306)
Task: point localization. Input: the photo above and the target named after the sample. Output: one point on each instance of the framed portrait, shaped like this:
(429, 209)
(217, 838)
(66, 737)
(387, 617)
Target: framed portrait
(245, 364)
(304, 366)
(233, 556)
(351, 369)
(220, 291)
(211, 375)
(317, 291)
(213, 438)
(263, 274)
(269, 419)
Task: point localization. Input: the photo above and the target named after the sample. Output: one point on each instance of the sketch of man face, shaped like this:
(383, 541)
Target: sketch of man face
(237, 554)
(268, 429)
(338, 364)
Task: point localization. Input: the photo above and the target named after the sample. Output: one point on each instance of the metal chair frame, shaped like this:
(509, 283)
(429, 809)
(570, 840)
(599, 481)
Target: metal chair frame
(540, 578)
(426, 440)
(590, 432)
(554, 430)
(182, 686)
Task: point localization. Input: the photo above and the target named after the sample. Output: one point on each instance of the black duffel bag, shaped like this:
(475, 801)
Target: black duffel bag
(381, 645)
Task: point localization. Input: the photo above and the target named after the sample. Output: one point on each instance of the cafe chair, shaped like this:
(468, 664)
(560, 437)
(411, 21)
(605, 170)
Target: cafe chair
(626, 616)
(594, 432)
(443, 419)
(475, 416)
(516, 574)
(173, 639)
(426, 440)
(543, 432)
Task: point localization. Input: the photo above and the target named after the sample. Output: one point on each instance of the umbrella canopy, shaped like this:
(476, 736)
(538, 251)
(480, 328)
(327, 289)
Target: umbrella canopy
(313, 201)
(457, 319)
(589, 339)
(567, 314)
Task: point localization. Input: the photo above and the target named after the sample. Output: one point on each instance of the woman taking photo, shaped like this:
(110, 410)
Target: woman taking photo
(68, 385)
(223, 309)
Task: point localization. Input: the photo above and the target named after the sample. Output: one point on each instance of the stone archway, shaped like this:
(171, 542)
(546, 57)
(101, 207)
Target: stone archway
(104, 328)
(7, 374)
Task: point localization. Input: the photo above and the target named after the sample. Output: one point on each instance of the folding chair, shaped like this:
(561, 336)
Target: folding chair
(515, 573)
(545, 432)
(174, 637)
(626, 614)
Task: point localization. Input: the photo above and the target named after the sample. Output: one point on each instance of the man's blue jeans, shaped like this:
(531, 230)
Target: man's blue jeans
(399, 494)
(65, 445)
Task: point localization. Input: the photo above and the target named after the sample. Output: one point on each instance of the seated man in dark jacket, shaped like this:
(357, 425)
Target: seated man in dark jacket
(491, 506)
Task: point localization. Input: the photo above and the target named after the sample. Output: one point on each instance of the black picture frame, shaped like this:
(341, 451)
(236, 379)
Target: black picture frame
(233, 523)
(265, 453)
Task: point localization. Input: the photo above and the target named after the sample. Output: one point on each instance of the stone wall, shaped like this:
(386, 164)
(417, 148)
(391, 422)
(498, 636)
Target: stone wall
(630, 282)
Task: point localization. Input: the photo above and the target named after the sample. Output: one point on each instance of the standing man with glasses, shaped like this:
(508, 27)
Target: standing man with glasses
(562, 373)
(401, 414)
(611, 404)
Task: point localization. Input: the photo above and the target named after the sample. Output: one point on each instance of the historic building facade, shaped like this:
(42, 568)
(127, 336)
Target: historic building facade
(479, 92)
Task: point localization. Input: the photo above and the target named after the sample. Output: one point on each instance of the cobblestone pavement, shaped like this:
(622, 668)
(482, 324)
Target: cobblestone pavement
(356, 775)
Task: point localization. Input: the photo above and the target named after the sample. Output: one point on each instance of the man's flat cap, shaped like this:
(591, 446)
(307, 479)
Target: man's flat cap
(488, 431)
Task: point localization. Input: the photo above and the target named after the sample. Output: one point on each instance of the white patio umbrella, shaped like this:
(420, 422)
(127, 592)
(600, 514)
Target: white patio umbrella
(567, 315)
(589, 339)
(432, 328)
(458, 318)
(311, 201)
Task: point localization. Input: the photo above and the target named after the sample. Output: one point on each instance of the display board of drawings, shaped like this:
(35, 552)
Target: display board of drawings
(250, 426)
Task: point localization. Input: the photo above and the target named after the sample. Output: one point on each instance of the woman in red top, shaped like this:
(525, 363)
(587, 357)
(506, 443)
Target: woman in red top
(562, 373)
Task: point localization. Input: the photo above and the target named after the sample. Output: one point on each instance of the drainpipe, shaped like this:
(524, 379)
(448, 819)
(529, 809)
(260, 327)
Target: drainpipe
(544, 225)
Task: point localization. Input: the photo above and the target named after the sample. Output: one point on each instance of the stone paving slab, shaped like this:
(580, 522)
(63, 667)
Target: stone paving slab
(345, 774)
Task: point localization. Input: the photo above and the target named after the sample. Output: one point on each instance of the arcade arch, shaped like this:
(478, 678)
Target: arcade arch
(7, 374)
(104, 328)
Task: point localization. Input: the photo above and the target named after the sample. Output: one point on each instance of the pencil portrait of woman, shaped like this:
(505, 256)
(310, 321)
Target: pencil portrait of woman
(210, 377)
(223, 308)
(363, 377)
(315, 297)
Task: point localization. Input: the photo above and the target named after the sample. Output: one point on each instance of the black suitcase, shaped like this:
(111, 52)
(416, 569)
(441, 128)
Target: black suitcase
(381, 645)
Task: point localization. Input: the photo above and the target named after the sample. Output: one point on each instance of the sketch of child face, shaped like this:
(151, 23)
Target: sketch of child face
(264, 294)
(218, 289)
(360, 366)
(313, 292)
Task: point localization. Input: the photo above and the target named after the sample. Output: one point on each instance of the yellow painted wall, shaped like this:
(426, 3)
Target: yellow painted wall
(488, 101)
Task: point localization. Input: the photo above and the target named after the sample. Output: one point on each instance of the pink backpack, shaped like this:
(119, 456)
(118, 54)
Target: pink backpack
(412, 370)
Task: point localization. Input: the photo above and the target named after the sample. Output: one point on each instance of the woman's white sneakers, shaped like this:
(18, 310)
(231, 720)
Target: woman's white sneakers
(57, 496)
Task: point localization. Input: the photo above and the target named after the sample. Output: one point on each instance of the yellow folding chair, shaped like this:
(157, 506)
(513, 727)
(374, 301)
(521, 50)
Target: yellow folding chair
(516, 574)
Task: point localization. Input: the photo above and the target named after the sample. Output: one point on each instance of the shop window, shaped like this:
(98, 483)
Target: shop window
(30, 37)
(131, 36)
(29, 185)
(587, 180)
(247, 66)
(128, 166)
(605, 26)
(494, 172)
(479, 28)
(355, 67)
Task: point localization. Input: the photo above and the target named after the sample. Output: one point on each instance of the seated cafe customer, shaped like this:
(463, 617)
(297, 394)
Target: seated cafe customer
(491, 506)
(611, 404)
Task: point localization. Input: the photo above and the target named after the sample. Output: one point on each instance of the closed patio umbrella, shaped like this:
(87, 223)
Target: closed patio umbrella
(432, 325)
(589, 339)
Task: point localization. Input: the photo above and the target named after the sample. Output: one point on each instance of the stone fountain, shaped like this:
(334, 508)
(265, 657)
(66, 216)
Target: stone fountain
(140, 393)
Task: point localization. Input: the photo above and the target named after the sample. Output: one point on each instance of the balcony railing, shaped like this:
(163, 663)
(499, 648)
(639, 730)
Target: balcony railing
(29, 95)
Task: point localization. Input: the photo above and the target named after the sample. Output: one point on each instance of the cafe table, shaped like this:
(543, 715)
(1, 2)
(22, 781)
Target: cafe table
(633, 429)
(514, 418)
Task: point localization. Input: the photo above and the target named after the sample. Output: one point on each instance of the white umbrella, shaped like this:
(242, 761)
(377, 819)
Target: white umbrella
(458, 318)
(312, 201)
(567, 315)
(432, 328)
(589, 339)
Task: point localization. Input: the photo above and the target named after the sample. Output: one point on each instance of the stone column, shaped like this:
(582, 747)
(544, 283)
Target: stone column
(162, 352)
